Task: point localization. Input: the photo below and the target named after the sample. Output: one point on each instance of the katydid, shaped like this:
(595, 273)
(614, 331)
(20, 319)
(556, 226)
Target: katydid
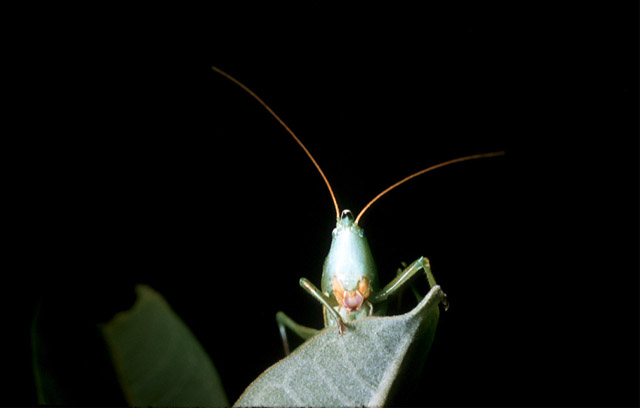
(350, 287)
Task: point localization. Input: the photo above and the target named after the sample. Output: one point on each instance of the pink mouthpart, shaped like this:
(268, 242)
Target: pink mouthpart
(352, 300)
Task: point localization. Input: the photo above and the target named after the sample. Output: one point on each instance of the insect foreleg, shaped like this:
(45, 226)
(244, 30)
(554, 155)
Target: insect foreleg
(285, 322)
(326, 302)
(421, 264)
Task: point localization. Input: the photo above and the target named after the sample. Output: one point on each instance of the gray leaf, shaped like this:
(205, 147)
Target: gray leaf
(360, 368)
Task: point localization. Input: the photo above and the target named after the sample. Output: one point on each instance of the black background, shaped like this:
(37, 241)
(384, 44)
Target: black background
(135, 162)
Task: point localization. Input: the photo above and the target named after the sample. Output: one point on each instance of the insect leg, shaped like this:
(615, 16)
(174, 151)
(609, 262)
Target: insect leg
(370, 305)
(421, 264)
(322, 298)
(411, 286)
(284, 322)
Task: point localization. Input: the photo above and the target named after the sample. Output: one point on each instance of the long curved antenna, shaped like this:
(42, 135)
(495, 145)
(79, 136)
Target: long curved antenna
(475, 156)
(257, 98)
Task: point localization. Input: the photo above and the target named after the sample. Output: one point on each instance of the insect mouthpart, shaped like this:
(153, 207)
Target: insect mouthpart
(351, 300)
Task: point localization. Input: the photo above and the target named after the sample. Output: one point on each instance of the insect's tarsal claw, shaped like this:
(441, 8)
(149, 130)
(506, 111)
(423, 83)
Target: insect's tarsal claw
(445, 301)
(341, 327)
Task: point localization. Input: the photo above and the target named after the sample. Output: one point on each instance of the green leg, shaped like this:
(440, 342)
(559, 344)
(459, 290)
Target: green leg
(401, 290)
(326, 302)
(421, 264)
(411, 286)
(285, 322)
(370, 305)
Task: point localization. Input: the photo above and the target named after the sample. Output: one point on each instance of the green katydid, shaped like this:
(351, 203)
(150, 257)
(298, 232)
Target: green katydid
(350, 287)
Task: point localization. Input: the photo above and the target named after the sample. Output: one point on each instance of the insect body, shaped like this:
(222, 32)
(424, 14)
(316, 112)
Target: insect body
(350, 287)
(349, 274)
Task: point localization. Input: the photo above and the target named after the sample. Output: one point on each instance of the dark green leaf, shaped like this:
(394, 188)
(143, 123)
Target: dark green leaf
(158, 360)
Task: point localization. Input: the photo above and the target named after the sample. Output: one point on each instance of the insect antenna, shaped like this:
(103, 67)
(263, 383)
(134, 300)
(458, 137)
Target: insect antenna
(460, 159)
(257, 98)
